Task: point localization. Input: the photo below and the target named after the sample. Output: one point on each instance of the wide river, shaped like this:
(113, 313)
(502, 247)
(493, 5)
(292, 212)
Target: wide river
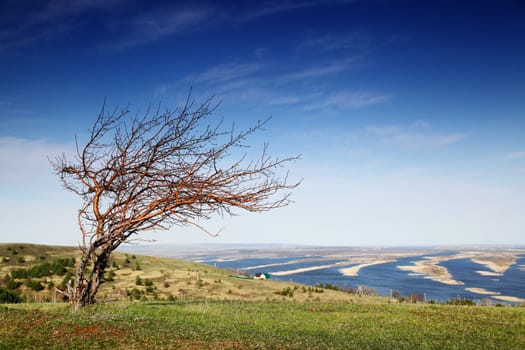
(386, 278)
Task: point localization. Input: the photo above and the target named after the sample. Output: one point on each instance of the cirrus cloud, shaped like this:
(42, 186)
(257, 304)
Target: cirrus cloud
(416, 135)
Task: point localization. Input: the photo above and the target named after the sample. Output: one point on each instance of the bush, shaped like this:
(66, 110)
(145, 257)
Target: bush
(110, 276)
(456, 301)
(58, 267)
(138, 281)
(285, 292)
(9, 296)
(34, 285)
(11, 283)
(148, 282)
(327, 286)
(134, 294)
(20, 273)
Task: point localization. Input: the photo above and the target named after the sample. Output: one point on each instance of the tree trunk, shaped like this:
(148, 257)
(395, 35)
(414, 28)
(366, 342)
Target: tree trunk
(90, 274)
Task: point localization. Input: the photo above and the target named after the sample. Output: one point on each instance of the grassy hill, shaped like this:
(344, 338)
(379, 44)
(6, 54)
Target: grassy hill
(136, 277)
(185, 305)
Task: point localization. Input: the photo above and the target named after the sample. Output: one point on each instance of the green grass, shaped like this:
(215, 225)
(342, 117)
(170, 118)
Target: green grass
(260, 325)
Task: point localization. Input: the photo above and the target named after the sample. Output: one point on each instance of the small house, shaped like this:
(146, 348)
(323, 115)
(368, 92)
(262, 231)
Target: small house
(261, 276)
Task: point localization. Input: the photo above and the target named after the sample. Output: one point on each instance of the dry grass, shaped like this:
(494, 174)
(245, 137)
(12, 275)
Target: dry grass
(171, 279)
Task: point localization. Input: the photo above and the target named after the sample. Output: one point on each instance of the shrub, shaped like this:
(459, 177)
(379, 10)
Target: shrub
(134, 294)
(327, 286)
(34, 285)
(285, 292)
(20, 273)
(9, 296)
(138, 281)
(148, 282)
(11, 283)
(110, 276)
(457, 301)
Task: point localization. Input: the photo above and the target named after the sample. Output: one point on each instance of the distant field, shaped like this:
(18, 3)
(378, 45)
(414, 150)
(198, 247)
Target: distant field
(261, 325)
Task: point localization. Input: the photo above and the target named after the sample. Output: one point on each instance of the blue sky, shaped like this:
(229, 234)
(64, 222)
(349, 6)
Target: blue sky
(409, 115)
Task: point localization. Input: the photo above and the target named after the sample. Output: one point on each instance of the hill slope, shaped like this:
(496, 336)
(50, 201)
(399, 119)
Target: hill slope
(137, 277)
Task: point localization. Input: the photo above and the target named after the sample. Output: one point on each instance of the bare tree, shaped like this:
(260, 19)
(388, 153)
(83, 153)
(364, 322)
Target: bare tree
(138, 173)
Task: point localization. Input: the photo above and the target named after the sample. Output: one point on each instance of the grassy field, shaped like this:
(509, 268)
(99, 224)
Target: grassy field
(158, 303)
(261, 325)
(149, 278)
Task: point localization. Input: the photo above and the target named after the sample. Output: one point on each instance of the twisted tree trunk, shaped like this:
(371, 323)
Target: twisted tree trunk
(89, 276)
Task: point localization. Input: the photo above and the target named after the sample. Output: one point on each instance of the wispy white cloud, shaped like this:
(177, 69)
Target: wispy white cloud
(348, 99)
(355, 40)
(130, 23)
(46, 21)
(291, 99)
(416, 135)
(227, 72)
(269, 8)
(160, 23)
(319, 70)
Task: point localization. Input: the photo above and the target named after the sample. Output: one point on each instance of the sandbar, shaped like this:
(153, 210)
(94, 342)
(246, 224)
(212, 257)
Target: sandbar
(304, 269)
(268, 265)
(489, 273)
(431, 270)
(497, 263)
(276, 264)
(509, 298)
(481, 291)
(358, 262)
(354, 270)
